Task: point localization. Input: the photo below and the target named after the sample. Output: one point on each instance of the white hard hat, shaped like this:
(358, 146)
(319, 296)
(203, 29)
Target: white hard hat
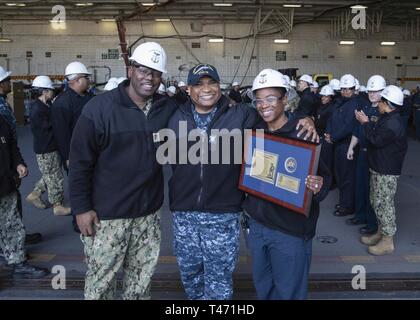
(315, 85)
(306, 78)
(151, 55)
(292, 83)
(407, 92)
(376, 83)
(162, 88)
(4, 74)
(363, 89)
(235, 84)
(171, 89)
(111, 84)
(269, 78)
(249, 93)
(43, 82)
(181, 84)
(393, 94)
(326, 91)
(335, 84)
(76, 67)
(347, 81)
(357, 84)
(286, 78)
(121, 79)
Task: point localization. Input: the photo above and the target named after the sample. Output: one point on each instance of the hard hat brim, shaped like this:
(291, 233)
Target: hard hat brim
(8, 73)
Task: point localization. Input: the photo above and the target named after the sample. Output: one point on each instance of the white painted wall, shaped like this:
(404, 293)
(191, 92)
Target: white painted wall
(91, 39)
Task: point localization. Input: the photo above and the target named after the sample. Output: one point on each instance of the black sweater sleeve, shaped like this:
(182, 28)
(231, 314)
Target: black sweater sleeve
(84, 152)
(62, 117)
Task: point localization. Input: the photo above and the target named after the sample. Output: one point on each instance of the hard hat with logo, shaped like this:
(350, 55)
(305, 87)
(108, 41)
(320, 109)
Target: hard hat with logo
(162, 88)
(76, 67)
(111, 84)
(335, 84)
(407, 92)
(376, 83)
(171, 89)
(363, 89)
(43, 82)
(234, 84)
(4, 74)
(151, 55)
(315, 85)
(181, 84)
(121, 79)
(269, 78)
(326, 91)
(393, 94)
(306, 78)
(347, 81)
(357, 84)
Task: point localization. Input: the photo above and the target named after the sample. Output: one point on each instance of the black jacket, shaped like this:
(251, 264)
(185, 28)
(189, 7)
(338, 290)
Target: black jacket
(280, 218)
(323, 114)
(209, 187)
(65, 112)
(308, 103)
(40, 116)
(343, 120)
(181, 97)
(10, 158)
(113, 166)
(387, 143)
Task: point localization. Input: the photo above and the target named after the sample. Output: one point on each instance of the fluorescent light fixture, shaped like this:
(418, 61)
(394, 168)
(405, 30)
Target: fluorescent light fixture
(85, 4)
(108, 20)
(281, 40)
(418, 9)
(57, 21)
(347, 42)
(292, 5)
(162, 20)
(387, 43)
(148, 4)
(5, 40)
(11, 4)
(358, 7)
(216, 40)
(222, 4)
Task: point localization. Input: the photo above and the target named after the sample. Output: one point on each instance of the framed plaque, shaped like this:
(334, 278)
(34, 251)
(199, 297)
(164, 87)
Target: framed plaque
(275, 169)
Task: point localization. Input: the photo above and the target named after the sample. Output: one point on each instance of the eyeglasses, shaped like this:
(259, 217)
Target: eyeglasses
(271, 100)
(145, 72)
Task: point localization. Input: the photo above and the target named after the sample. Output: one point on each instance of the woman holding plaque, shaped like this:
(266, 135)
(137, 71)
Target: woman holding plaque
(280, 239)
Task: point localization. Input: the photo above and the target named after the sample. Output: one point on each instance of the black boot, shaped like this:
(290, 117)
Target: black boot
(25, 270)
(33, 238)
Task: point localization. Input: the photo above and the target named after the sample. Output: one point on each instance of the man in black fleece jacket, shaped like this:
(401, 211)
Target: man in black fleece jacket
(116, 183)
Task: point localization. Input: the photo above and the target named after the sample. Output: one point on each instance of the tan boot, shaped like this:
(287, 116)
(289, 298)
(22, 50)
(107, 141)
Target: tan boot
(372, 239)
(384, 246)
(60, 210)
(34, 198)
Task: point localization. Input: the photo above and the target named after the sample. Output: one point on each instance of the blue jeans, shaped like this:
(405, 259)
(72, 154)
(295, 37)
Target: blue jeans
(364, 211)
(280, 263)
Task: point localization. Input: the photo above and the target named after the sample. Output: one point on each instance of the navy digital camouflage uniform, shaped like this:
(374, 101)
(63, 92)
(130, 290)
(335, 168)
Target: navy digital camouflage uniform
(132, 244)
(206, 245)
(52, 177)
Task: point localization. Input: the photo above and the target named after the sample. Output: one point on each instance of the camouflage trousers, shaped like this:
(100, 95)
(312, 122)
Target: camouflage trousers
(207, 248)
(12, 231)
(132, 244)
(52, 177)
(382, 194)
